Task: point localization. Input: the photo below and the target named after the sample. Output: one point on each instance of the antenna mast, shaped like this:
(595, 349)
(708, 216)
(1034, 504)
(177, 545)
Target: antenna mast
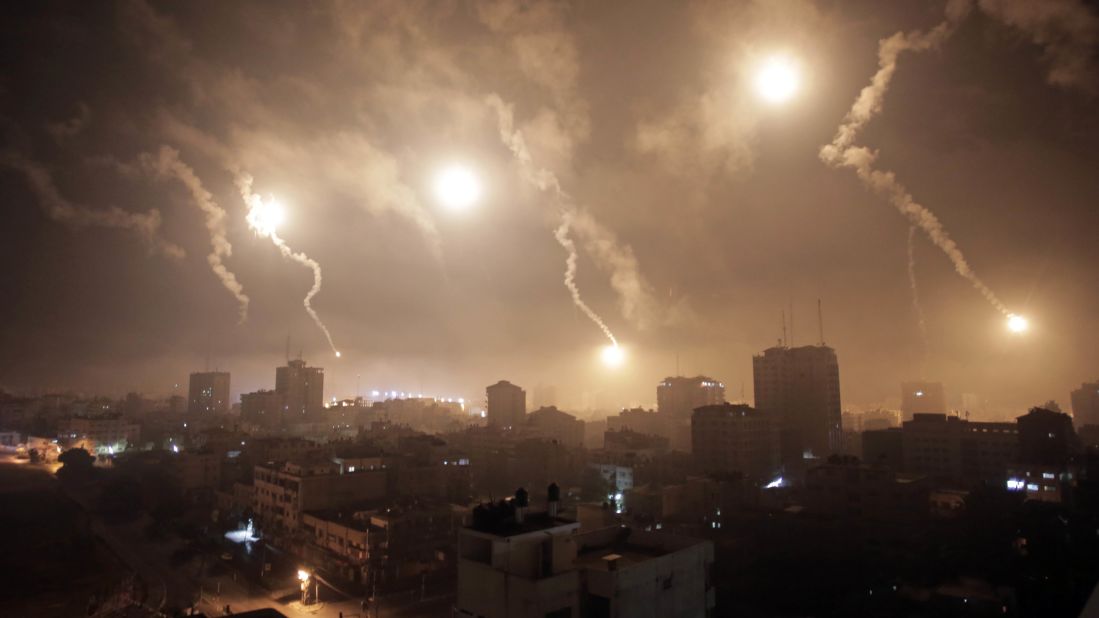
(783, 328)
(820, 321)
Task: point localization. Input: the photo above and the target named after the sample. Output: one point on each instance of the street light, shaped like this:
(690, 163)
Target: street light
(303, 577)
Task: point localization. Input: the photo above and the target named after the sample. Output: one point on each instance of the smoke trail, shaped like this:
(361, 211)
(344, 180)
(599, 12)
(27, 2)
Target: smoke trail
(546, 181)
(168, 164)
(562, 235)
(916, 306)
(145, 224)
(843, 153)
(263, 217)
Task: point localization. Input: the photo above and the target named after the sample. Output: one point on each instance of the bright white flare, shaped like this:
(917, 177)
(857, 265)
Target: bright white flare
(1017, 323)
(457, 188)
(613, 356)
(777, 80)
(337, 354)
(265, 216)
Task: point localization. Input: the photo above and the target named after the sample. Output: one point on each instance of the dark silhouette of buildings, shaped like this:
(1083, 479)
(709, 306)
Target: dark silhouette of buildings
(301, 389)
(801, 387)
(734, 438)
(1085, 404)
(208, 393)
(507, 404)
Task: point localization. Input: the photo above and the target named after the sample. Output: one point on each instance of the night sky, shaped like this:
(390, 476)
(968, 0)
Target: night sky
(704, 211)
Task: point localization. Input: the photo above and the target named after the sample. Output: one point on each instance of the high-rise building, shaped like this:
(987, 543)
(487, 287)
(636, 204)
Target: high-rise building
(735, 438)
(507, 404)
(301, 389)
(209, 393)
(676, 400)
(263, 408)
(801, 387)
(1085, 404)
(922, 398)
(678, 397)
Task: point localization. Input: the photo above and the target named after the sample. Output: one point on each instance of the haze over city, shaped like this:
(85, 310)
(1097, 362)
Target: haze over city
(705, 209)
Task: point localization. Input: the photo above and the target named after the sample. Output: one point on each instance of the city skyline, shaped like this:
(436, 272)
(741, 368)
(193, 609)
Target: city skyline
(712, 241)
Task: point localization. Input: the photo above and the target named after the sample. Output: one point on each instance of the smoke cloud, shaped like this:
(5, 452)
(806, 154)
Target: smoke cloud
(146, 225)
(1067, 31)
(166, 163)
(843, 153)
(634, 295)
(257, 211)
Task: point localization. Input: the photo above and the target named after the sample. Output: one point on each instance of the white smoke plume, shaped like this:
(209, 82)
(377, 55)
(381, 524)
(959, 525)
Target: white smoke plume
(562, 235)
(166, 163)
(146, 225)
(262, 219)
(634, 296)
(546, 181)
(843, 153)
(912, 283)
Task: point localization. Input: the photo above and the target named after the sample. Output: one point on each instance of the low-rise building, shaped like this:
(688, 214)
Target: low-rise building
(516, 563)
(99, 434)
(283, 491)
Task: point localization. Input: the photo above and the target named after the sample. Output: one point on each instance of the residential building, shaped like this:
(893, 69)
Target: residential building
(1085, 404)
(262, 408)
(99, 435)
(1046, 437)
(517, 564)
(801, 388)
(208, 393)
(507, 404)
(735, 438)
(301, 389)
(677, 398)
(640, 421)
(283, 491)
(553, 424)
(947, 446)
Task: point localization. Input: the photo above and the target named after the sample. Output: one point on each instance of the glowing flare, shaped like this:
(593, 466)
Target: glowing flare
(457, 188)
(1017, 323)
(613, 356)
(337, 354)
(777, 80)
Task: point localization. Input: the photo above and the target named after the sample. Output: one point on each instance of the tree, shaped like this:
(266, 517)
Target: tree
(77, 465)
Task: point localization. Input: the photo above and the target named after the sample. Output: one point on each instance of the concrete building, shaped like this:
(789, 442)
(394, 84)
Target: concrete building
(735, 438)
(507, 404)
(208, 393)
(301, 389)
(922, 398)
(283, 491)
(516, 564)
(676, 400)
(1085, 404)
(1046, 437)
(374, 544)
(641, 421)
(642, 445)
(553, 424)
(99, 435)
(262, 408)
(947, 446)
(801, 387)
(884, 448)
(854, 491)
(677, 397)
